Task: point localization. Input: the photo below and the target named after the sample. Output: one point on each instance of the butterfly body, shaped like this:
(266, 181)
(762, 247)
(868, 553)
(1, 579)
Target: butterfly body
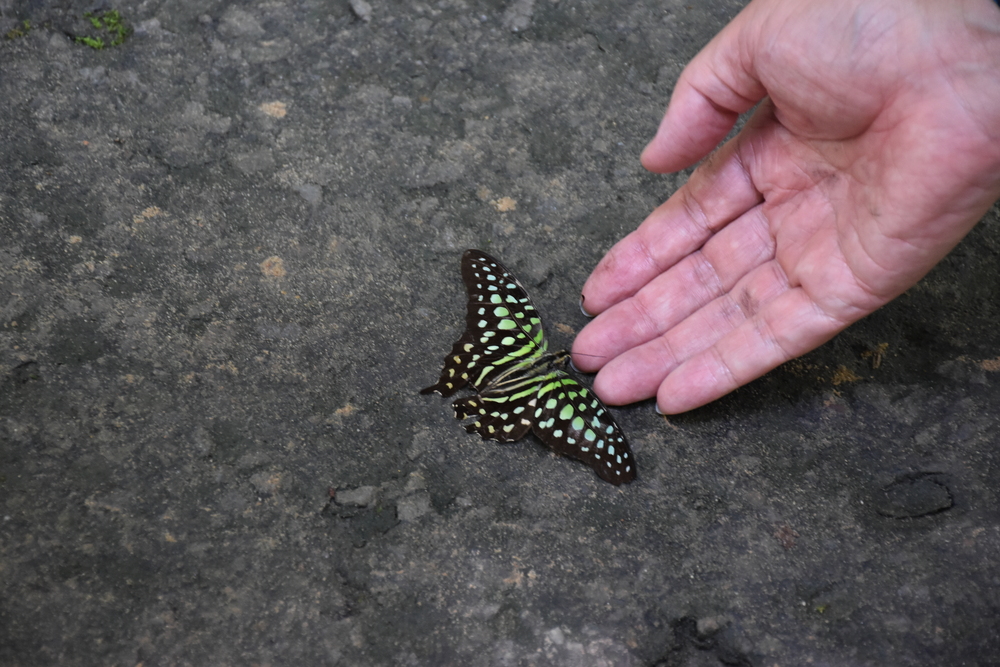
(519, 385)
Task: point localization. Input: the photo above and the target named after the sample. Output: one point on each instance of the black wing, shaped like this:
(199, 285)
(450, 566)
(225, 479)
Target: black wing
(571, 420)
(564, 414)
(502, 327)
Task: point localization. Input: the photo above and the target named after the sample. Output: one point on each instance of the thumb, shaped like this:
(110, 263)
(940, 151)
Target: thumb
(713, 90)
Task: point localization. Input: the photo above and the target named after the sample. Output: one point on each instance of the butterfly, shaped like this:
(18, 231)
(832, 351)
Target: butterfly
(519, 385)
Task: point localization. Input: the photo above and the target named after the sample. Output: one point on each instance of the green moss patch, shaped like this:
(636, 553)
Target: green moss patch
(20, 31)
(109, 27)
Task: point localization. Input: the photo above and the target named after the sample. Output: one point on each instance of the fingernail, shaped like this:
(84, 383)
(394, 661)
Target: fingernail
(573, 366)
(582, 309)
(645, 150)
(656, 406)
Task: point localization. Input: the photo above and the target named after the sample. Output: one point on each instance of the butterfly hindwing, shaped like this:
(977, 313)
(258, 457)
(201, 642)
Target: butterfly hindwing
(499, 420)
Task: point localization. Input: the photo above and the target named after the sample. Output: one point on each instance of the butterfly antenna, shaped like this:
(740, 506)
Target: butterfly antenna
(584, 354)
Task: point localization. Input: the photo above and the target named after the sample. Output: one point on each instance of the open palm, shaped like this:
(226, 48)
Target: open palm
(874, 149)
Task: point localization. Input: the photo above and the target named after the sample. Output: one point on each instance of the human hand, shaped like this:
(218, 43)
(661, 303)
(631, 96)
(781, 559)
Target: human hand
(875, 150)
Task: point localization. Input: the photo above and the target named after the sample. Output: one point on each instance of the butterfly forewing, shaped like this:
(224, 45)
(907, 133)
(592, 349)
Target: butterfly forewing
(502, 355)
(503, 330)
(572, 421)
(498, 302)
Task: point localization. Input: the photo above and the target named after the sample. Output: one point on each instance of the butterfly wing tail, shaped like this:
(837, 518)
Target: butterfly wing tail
(491, 422)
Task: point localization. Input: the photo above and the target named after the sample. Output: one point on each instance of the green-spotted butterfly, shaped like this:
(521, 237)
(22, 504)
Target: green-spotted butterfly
(519, 384)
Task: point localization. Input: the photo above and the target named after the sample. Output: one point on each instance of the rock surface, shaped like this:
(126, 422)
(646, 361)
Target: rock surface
(230, 261)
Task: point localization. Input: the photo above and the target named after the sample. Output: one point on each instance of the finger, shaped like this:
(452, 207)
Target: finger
(672, 296)
(639, 372)
(713, 90)
(717, 193)
(788, 327)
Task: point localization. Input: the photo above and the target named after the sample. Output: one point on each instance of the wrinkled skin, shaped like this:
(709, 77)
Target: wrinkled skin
(874, 150)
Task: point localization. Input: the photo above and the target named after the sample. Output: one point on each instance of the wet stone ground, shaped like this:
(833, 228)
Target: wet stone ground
(230, 260)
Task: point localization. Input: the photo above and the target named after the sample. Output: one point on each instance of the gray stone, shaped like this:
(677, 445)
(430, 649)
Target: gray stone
(413, 507)
(361, 9)
(914, 496)
(363, 496)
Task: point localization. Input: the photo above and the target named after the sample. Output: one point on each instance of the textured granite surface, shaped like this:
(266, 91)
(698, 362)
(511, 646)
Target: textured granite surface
(229, 261)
